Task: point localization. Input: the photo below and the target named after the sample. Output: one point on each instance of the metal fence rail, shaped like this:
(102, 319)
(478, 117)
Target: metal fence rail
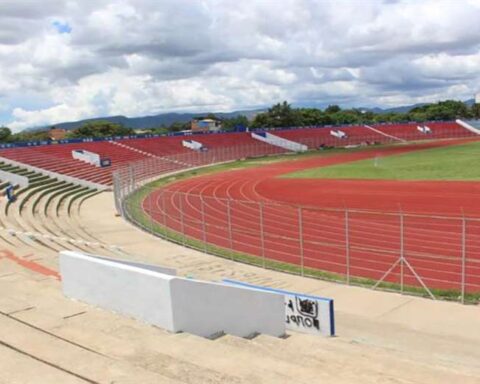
(437, 256)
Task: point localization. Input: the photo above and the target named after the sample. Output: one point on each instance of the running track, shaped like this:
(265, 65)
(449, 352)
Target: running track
(229, 210)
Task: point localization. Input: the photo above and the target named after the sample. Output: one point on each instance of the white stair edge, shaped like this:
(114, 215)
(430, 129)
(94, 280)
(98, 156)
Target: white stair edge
(385, 134)
(468, 126)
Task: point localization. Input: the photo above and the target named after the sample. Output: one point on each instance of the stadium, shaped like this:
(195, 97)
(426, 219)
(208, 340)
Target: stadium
(298, 201)
(254, 192)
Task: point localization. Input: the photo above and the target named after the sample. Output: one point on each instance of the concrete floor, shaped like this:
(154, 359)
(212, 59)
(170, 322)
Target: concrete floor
(382, 337)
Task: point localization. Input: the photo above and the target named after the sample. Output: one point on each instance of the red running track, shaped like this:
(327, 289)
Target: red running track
(252, 211)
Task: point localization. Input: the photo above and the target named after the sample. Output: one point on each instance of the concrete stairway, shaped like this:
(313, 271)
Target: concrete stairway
(45, 337)
(38, 224)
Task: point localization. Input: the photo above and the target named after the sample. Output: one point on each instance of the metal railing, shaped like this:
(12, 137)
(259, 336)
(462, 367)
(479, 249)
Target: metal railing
(432, 255)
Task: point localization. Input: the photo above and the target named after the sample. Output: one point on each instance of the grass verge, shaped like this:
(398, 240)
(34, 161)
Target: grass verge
(456, 162)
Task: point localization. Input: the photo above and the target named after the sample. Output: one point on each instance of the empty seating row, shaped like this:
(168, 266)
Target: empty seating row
(58, 158)
(322, 136)
(437, 130)
(170, 152)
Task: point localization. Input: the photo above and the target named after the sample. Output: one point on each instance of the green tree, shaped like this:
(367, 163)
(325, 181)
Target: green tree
(332, 109)
(5, 134)
(475, 111)
(279, 115)
(314, 116)
(100, 128)
(443, 110)
(232, 123)
(178, 126)
(31, 136)
(162, 130)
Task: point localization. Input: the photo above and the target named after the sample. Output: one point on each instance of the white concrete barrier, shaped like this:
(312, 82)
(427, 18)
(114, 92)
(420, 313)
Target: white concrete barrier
(303, 313)
(385, 134)
(465, 125)
(278, 141)
(156, 296)
(192, 144)
(338, 133)
(14, 179)
(87, 157)
(424, 129)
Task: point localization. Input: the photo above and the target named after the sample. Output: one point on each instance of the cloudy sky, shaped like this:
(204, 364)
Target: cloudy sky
(63, 60)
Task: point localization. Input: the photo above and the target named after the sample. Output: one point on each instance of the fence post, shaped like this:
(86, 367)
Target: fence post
(164, 214)
(402, 252)
(204, 229)
(347, 245)
(182, 218)
(262, 234)
(300, 233)
(129, 178)
(464, 256)
(150, 213)
(229, 224)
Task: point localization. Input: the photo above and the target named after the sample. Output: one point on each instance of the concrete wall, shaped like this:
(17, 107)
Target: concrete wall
(424, 129)
(87, 157)
(465, 125)
(222, 308)
(285, 143)
(153, 294)
(129, 290)
(338, 133)
(154, 268)
(14, 179)
(192, 144)
(303, 313)
(280, 142)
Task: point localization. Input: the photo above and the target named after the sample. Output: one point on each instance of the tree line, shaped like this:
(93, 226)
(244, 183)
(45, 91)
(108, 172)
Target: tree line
(284, 115)
(279, 115)
(99, 128)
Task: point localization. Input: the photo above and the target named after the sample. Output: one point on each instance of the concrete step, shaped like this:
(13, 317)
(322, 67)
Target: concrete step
(68, 357)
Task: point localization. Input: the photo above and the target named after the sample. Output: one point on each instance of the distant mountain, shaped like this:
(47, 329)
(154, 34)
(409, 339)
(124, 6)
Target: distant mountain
(167, 119)
(401, 109)
(406, 108)
(152, 121)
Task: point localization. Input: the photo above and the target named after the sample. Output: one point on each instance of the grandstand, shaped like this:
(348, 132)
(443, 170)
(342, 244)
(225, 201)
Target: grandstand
(57, 159)
(315, 137)
(438, 130)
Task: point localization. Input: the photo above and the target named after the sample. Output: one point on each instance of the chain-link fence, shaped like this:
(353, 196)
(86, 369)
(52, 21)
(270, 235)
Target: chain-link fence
(435, 256)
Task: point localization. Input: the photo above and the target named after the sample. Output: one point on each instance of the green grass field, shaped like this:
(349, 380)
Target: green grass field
(460, 162)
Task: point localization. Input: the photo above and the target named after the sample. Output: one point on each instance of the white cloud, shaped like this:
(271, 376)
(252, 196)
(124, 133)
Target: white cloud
(136, 57)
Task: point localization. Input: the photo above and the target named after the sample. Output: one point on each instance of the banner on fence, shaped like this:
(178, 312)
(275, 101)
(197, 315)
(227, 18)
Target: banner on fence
(303, 313)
